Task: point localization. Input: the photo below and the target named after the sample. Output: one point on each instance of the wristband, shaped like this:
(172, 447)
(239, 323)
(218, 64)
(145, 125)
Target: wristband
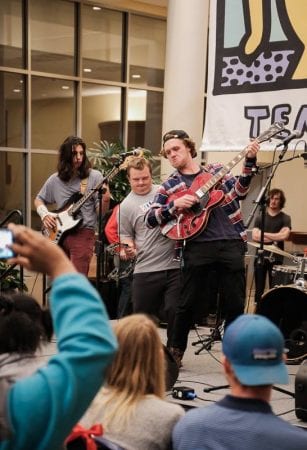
(42, 211)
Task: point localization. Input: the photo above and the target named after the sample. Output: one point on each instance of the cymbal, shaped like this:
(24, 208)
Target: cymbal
(272, 249)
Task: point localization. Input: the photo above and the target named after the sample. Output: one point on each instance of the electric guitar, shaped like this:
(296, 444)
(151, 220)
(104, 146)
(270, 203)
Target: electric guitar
(66, 218)
(189, 222)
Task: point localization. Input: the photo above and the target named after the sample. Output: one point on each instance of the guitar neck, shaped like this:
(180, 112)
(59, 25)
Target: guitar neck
(265, 136)
(78, 205)
(224, 170)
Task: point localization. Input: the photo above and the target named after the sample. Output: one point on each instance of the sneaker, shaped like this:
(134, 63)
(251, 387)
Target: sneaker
(177, 354)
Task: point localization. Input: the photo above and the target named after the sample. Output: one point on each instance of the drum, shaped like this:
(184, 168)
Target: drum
(283, 275)
(286, 306)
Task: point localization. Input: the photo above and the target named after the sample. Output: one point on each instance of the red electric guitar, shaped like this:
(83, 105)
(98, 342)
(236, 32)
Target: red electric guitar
(189, 222)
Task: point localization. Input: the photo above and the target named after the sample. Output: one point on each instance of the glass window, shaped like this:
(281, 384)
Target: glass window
(102, 43)
(53, 111)
(12, 173)
(12, 111)
(101, 113)
(145, 119)
(147, 37)
(11, 53)
(52, 36)
(42, 166)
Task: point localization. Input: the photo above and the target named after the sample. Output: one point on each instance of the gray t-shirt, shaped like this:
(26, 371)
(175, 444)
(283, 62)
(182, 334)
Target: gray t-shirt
(57, 191)
(155, 252)
(150, 428)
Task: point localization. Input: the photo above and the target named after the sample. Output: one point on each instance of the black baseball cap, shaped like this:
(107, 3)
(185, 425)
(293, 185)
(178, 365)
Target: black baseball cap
(175, 134)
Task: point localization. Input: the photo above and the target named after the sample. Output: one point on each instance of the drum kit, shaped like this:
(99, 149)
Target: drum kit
(286, 302)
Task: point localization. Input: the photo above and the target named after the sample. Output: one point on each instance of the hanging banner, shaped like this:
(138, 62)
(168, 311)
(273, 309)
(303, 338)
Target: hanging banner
(257, 71)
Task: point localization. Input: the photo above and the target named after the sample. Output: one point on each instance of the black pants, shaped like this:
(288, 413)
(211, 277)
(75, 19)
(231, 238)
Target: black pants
(200, 258)
(157, 294)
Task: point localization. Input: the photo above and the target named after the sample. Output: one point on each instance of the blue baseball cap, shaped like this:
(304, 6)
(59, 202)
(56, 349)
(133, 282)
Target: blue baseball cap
(255, 348)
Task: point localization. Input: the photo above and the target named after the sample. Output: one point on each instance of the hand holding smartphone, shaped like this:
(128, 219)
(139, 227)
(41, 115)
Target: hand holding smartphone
(6, 239)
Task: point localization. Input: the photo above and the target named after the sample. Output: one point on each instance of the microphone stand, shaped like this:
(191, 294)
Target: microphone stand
(99, 243)
(260, 202)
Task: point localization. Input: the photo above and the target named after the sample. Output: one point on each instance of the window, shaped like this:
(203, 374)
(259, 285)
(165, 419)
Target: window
(147, 39)
(102, 32)
(52, 36)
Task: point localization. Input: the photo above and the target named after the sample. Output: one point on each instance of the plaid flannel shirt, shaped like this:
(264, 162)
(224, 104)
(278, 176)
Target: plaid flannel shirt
(235, 188)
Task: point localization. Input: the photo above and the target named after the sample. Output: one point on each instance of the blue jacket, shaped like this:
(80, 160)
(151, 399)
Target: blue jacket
(42, 409)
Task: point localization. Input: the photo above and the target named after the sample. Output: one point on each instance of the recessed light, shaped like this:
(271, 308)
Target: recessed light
(17, 90)
(136, 75)
(96, 8)
(87, 69)
(65, 88)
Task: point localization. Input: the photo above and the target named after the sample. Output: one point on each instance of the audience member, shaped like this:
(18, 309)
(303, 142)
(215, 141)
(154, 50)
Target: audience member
(130, 407)
(253, 361)
(39, 411)
(24, 329)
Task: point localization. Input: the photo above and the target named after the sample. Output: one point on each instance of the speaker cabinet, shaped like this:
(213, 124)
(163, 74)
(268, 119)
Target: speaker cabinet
(301, 392)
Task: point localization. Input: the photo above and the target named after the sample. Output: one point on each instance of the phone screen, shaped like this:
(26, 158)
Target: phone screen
(6, 238)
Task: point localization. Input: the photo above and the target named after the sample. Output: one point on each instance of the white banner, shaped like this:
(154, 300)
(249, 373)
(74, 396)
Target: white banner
(257, 71)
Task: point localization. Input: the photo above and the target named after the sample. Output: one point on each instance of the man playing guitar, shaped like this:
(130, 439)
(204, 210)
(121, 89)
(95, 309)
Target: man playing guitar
(217, 244)
(73, 188)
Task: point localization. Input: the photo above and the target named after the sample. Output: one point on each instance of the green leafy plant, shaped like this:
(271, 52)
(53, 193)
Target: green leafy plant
(12, 281)
(104, 156)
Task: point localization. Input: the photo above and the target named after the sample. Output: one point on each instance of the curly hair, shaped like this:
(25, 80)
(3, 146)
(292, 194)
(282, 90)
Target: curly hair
(23, 324)
(65, 160)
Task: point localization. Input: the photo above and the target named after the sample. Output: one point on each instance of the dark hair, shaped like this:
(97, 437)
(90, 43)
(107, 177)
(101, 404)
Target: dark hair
(65, 161)
(179, 134)
(23, 324)
(281, 194)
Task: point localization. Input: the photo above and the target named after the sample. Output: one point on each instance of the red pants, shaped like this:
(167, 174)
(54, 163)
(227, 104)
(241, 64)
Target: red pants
(79, 246)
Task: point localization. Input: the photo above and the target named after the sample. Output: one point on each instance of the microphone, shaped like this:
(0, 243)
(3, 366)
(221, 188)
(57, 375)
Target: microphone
(135, 152)
(296, 134)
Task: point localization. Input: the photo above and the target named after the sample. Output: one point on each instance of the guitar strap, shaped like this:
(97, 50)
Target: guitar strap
(83, 185)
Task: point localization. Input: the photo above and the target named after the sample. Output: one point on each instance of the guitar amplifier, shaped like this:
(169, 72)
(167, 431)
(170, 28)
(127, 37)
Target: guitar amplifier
(301, 392)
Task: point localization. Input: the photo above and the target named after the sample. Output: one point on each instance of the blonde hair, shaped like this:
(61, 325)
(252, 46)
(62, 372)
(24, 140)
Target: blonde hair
(138, 163)
(137, 370)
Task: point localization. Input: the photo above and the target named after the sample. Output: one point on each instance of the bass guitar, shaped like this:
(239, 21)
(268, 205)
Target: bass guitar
(66, 218)
(189, 222)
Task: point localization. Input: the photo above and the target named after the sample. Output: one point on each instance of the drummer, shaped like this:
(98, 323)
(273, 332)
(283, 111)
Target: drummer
(277, 226)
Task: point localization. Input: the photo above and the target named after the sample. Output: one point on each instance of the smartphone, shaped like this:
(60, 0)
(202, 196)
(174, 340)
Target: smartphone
(6, 238)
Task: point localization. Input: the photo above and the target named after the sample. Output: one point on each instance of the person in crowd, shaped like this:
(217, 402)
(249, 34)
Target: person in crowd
(156, 271)
(130, 406)
(38, 412)
(74, 177)
(277, 226)
(219, 243)
(253, 361)
(25, 328)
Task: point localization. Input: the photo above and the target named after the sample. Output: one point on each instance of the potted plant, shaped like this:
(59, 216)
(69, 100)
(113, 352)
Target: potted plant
(104, 156)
